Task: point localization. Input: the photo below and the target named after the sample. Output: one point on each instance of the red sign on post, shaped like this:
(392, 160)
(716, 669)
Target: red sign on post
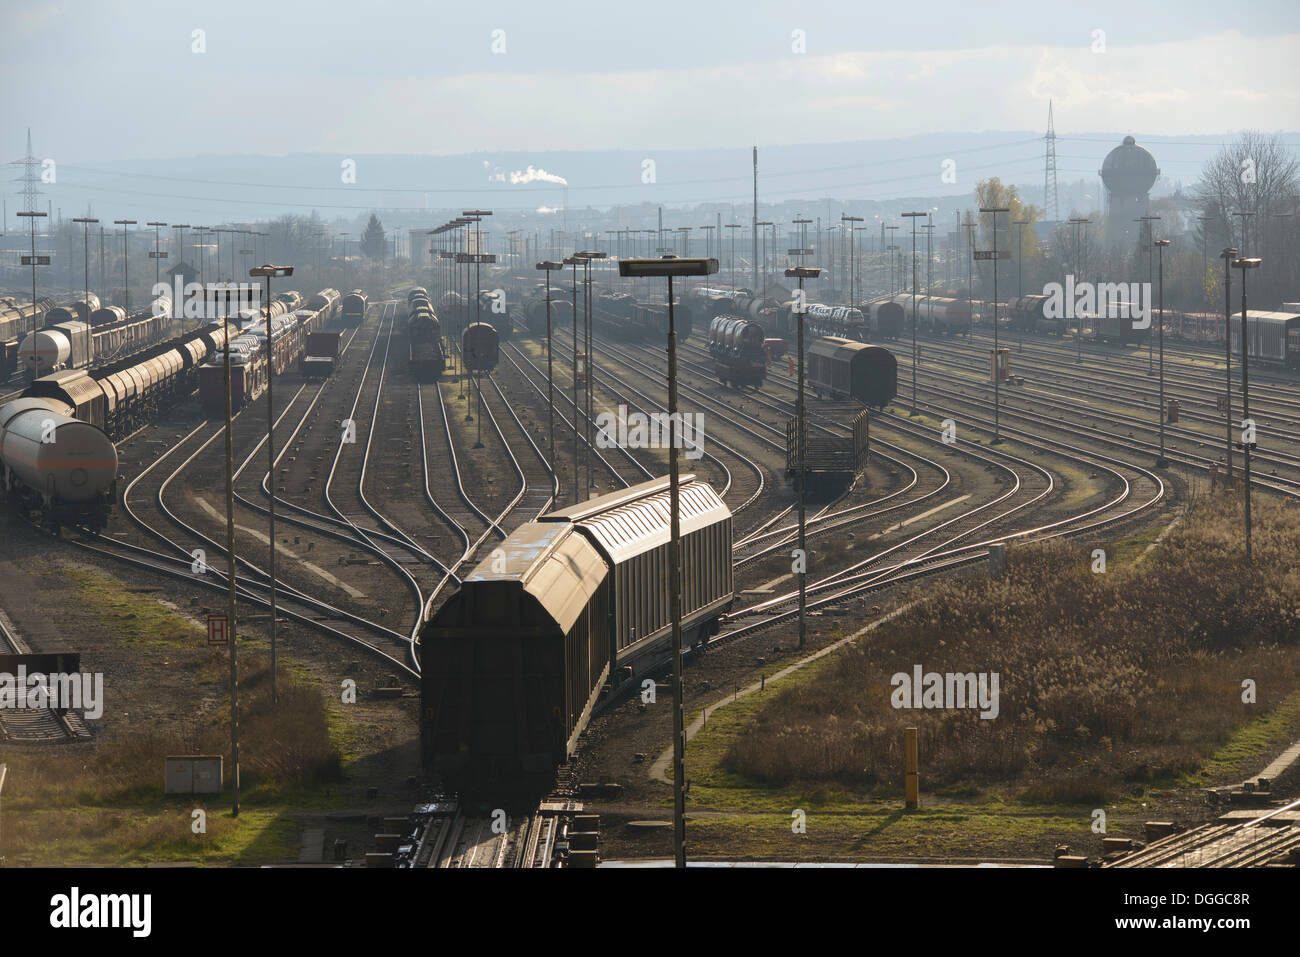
(217, 630)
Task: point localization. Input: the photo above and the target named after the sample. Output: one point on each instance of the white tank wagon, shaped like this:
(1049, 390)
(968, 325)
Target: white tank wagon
(65, 345)
(56, 465)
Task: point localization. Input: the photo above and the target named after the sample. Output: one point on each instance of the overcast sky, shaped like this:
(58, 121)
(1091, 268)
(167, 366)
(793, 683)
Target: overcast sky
(118, 79)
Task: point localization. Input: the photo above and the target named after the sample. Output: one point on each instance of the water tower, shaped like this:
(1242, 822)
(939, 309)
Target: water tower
(1128, 172)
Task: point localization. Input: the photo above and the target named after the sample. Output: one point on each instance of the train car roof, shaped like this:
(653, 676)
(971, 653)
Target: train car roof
(75, 385)
(1268, 318)
(11, 410)
(559, 569)
(834, 345)
(635, 520)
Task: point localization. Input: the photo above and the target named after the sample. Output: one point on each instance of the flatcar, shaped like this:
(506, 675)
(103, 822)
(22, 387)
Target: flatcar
(513, 663)
(842, 368)
(480, 347)
(823, 320)
(56, 465)
(1273, 339)
(427, 358)
(354, 307)
(737, 349)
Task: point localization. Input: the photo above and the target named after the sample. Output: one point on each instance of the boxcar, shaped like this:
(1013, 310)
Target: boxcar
(846, 369)
(1274, 337)
(513, 663)
(480, 347)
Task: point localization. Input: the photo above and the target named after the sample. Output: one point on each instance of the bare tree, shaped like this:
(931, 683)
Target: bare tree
(1257, 175)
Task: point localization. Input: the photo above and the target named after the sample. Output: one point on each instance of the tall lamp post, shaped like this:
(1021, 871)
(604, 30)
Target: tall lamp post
(1228, 256)
(549, 267)
(1076, 222)
(85, 226)
(733, 227)
(913, 217)
(670, 267)
(268, 272)
(851, 220)
(586, 257)
(34, 260)
(1243, 265)
(1020, 272)
(1160, 246)
(577, 430)
(801, 273)
(997, 371)
(126, 281)
(1148, 220)
(156, 255)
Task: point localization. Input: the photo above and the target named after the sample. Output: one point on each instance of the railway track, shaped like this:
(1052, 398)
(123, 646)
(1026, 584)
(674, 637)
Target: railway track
(22, 724)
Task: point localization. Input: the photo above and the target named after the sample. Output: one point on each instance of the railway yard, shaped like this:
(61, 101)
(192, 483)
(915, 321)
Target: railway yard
(394, 490)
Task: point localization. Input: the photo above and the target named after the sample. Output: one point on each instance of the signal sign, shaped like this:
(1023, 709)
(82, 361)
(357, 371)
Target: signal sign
(218, 632)
(990, 254)
(38, 261)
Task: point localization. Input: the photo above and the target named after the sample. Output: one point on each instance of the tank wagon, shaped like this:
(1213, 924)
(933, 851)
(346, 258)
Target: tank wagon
(480, 347)
(535, 313)
(325, 304)
(354, 307)
(941, 316)
(513, 663)
(424, 334)
(56, 465)
(842, 368)
(737, 349)
(79, 311)
(886, 319)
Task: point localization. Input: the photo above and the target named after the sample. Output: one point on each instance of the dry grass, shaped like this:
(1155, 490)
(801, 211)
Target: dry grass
(1130, 676)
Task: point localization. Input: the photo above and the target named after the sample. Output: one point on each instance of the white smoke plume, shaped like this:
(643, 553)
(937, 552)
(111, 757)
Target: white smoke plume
(532, 175)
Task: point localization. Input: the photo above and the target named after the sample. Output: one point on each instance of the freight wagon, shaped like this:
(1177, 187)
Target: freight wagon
(513, 663)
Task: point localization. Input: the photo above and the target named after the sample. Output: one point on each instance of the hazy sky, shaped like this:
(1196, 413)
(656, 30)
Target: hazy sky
(119, 79)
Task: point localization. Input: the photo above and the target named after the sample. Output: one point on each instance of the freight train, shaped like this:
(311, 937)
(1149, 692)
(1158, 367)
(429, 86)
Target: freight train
(737, 349)
(513, 663)
(427, 356)
(822, 320)
(78, 344)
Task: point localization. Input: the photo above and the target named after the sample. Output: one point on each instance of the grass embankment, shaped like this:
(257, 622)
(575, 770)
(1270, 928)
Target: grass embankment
(167, 694)
(1110, 685)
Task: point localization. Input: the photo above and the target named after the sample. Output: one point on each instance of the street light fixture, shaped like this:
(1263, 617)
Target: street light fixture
(1243, 265)
(801, 273)
(648, 269)
(268, 272)
(1076, 222)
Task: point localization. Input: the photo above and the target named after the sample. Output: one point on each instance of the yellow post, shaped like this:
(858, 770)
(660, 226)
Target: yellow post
(913, 784)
